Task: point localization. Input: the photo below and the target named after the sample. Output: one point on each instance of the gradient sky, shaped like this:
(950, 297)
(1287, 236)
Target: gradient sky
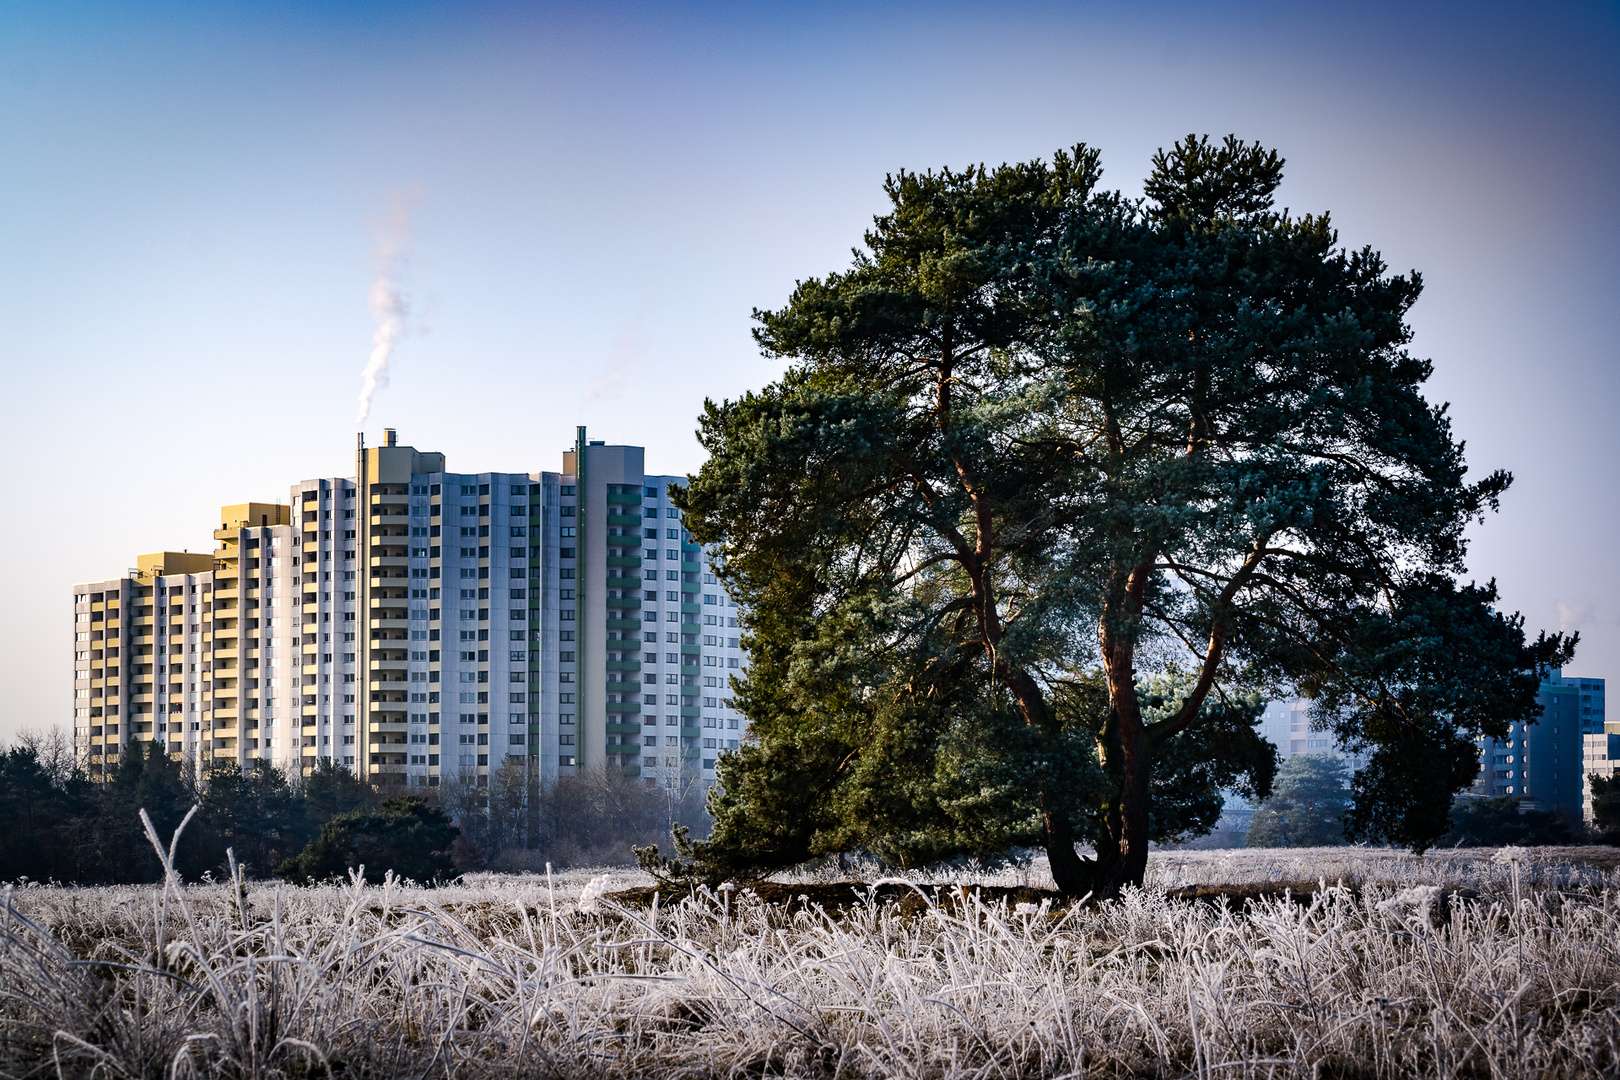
(192, 199)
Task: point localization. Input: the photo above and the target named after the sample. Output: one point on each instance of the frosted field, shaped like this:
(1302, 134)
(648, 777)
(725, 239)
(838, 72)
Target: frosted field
(1380, 972)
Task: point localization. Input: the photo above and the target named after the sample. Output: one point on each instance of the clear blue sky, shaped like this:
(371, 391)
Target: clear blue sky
(191, 198)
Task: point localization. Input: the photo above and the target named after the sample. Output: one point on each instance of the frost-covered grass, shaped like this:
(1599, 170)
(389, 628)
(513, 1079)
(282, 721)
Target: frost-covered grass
(1384, 975)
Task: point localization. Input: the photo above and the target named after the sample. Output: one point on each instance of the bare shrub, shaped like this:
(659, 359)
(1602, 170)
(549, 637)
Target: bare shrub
(592, 819)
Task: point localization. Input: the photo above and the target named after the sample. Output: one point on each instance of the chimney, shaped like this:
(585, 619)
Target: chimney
(388, 436)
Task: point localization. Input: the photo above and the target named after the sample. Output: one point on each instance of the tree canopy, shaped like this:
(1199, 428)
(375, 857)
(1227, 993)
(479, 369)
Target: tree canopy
(1307, 804)
(1499, 822)
(1606, 807)
(405, 835)
(1055, 483)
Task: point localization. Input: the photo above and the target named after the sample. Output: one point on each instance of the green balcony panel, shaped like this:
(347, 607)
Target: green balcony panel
(691, 567)
(622, 541)
(624, 665)
(691, 732)
(689, 586)
(631, 561)
(623, 729)
(690, 628)
(623, 687)
(629, 770)
(624, 706)
(632, 498)
(624, 519)
(689, 751)
(623, 601)
(624, 624)
(691, 650)
(689, 710)
(691, 609)
(691, 547)
(623, 582)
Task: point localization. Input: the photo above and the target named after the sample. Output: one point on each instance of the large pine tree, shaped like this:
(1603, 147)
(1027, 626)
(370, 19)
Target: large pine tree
(1055, 481)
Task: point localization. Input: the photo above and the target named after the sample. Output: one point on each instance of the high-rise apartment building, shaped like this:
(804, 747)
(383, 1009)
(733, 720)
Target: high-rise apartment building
(1590, 702)
(411, 623)
(1542, 764)
(1286, 724)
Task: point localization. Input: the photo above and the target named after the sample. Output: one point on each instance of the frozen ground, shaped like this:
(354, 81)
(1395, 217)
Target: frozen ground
(1382, 972)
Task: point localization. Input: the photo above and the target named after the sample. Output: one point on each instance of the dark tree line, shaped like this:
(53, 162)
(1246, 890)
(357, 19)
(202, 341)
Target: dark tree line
(57, 825)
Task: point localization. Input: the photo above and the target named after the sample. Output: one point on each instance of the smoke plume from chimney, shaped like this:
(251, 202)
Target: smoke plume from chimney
(387, 303)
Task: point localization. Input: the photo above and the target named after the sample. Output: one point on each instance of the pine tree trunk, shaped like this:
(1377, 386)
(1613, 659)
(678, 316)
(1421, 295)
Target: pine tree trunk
(1126, 861)
(1071, 873)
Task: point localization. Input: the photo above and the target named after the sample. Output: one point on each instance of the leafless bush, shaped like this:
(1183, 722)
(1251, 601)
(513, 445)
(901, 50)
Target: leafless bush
(521, 976)
(592, 819)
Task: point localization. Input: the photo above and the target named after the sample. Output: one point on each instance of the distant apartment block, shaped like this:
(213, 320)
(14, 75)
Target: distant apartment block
(1544, 765)
(410, 622)
(1286, 724)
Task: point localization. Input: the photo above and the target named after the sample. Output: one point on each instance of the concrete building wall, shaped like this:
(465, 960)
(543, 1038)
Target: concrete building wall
(423, 623)
(1539, 764)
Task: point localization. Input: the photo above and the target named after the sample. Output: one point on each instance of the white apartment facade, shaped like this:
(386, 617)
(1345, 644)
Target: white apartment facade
(411, 623)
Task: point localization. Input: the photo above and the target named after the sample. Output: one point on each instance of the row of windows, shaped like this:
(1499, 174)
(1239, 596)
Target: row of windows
(516, 490)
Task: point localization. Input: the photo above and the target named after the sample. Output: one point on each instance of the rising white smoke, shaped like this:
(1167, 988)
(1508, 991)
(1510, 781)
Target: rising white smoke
(387, 303)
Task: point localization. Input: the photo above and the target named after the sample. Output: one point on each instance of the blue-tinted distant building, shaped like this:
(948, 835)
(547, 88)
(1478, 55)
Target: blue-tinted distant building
(1543, 765)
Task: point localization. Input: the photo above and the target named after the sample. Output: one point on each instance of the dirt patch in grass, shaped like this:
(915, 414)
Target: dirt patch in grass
(840, 895)
(836, 896)
(1600, 856)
